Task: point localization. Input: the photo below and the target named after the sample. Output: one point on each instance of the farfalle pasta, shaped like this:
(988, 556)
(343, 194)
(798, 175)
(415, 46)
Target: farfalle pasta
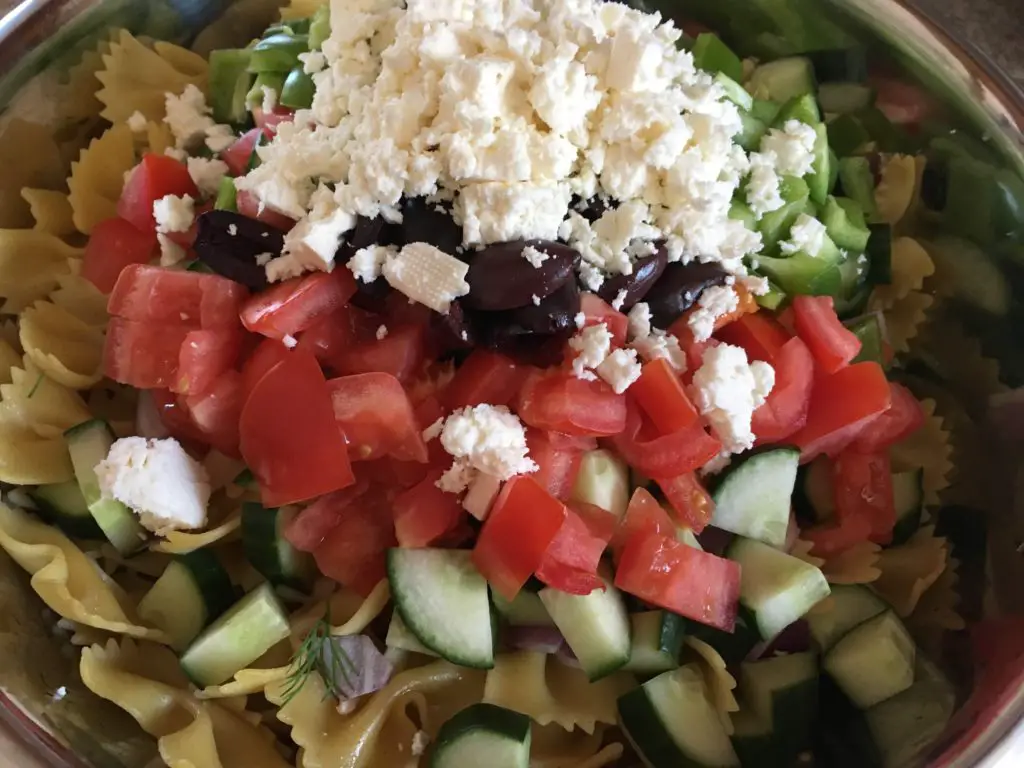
(97, 177)
(928, 449)
(905, 317)
(911, 266)
(28, 459)
(856, 565)
(897, 187)
(51, 211)
(31, 262)
(907, 571)
(60, 345)
(45, 406)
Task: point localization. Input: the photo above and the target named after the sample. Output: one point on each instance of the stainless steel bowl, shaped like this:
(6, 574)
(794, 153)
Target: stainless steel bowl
(48, 718)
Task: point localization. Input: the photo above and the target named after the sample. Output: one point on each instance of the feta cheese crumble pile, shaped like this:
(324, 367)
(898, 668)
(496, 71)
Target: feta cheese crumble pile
(485, 439)
(728, 389)
(653, 343)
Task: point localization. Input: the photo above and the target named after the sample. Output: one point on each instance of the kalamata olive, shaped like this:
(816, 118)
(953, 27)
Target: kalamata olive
(367, 232)
(425, 222)
(594, 208)
(373, 296)
(679, 288)
(935, 185)
(500, 277)
(453, 331)
(230, 244)
(553, 315)
(646, 272)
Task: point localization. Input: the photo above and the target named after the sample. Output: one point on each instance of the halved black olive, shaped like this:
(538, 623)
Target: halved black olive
(594, 208)
(646, 272)
(679, 288)
(371, 296)
(500, 278)
(230, 244)
(554, 315)
(424, 222)
(453, 331)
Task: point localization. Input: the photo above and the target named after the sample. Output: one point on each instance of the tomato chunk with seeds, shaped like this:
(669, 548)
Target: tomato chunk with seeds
(424, 514)
(377, 418)
(570, 563)
(204, 357)
(293, 306)
(113, 245)
(862, 486)
(156, 176)
(661, 396)
(354, 551)
(484, 377)
(161, 295)
(832, 343)
(559, 402)
(144, 355)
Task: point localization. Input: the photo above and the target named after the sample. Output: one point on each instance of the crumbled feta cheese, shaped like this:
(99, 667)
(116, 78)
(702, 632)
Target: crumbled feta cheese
(807, 235)
(382, 332)
(490, 439)
(620, 299)
(178, 154)
(170, 252)
(188, 117)
(620, 369)
(534, 256)
(269, 99)
(763, 194)
(639, 320)
(493, 212)
(579, 319)
(458, 477)
(427, 275)
(592, 345)
(420, 740)
(206, 173)
(717, 464)
(220, 137)
(591, 276)
(262, 259)
(659, 345)
(792, 148)
(535, 299)
(289, 341)
(728, 390)
(312, 62)
(433, 431)
(232, 230)
(156, 478)
(137, 122)
(714, 302)
(480, 495)
(173, 213)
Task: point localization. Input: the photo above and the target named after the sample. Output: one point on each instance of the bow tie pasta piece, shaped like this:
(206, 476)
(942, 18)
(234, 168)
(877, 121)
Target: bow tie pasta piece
(63, 347)
(51, 211)
(856, 565)
(31, 261)
(39, 402)
(911, 265)
(928, 449)
(180, 542)
(300, 9)
(81, 298)
(905, 318)
(896, 189)
(27, 459)
(97, 177)
(720, 683)
(909, 570)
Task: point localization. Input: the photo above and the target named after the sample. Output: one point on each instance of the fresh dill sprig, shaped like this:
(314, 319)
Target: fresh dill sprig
(35, 386)
(319, 653)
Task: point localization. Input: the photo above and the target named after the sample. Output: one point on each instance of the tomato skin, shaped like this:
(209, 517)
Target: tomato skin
(596, 311)
(331, 337)
(374, 413)
(294, 305)
(424, 514)
(160, 295)
(268, 121)
(902, 102)
(557, 401)
(664, 455)
(354, 551)
(156, 176)
(557, 467)
(204, 357)
(570, 563)
(832, 344)
(785, 410)
(842, 405)
(144, 355)
(307, 530)
(400, 353)
(902, 419)
(484, 377)
(249, 206)
(176, 418)
(237, 155)
(862, 484)
(215, 411)
(681, 579)
(689, 501)
(523, 522)
(661, 396)
(759, 334)
(265, 357)
(113, 245)
(643, 515)
(288, 435)
(833, 539)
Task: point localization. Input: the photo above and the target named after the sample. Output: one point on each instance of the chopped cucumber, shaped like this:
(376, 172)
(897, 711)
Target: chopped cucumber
(89, 444)
(193, 590)
(227, 195)
(603, 480)
(852, 605)
(525, 611)
(858, 183)
(733, 646)
(845, 98)
(820, 180)
(596, 627)
(783, 691)
(442, 599)
(267, 549)
(483, 734)
(753, 497)
(874, 661)
(229, 83)
(712, 55)
(63, 505)
(879, 253)
(833, 65)
(400, 637)
(750, 135)
(775, 587)
(657, 641)
(672, 723)
(783, 79)
(774, 299)
(908, 499)
(844, 220)
(735, 92)
(253, 626)
(812, 499)
(765, 111)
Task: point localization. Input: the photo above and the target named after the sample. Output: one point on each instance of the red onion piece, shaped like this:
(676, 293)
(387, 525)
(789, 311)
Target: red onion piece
(148, 423)
(795, 638)
(714, 540)
(567, 657)
(352, 666)
(792, 532)
(539, 639)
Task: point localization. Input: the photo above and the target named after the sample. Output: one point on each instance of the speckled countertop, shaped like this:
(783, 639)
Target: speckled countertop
(995, 27)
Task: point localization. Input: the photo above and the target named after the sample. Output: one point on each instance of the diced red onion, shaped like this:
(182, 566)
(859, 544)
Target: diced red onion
(795, 638)
(792, 532)
(567, 657)
(539, 639)
(1006, 414)
(148, 423)
(352, 666)
(714, 540)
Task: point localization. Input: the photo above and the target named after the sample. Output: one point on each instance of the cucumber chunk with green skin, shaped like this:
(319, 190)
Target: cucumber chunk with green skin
(783, 79)
(845, 98)
(603, 480)
(712, 55)
(753, 498)
(657, 641)
(483, 734)
(852, 605)
(89, 443)
(193, 590)
(735, 92)
(858, 183)
(63, 505)
(277, 53)
(774, 299)
(751, 133)
(844, 220)
(596, 627)
(400, 637)
(813, 501)
(908, 500)
(765, 111)
(253, 626)
(267, 549)
(775, 225)
(229, 83)
(671, 722)
(819, 181)
(784, 691)
(227, 195)
(874, 661)
(842, 738)
(442, 598)
(733, 646)
(775, 587)
(868, 330)
(526, 610)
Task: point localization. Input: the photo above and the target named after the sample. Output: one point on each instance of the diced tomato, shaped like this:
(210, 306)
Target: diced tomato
(661, 396)
(155, 177)
(484, 377)
(113, 245)
(862, 485)
(307, 530)
(832, 539)
(187, 239)
(689, 501)
(575, 442)
(376, 417)
(265, 357)
(643, 515)
(428, 410)
(176, 418)
(216, 411)
(249, 206)
(570, 563)
(694, 351)
(758, 333)
(558, 401)
(144, 355)
(664, 455)
(204, 357)
(289, 437)
(523, 522)
(424, 514)
(268, 121)
(331, 338)
(400, 353)
(160, 295)
(237, 156)
(832, 343)
(679, 578)
(902, 419)
(557, 466)
(596, 311)
(842, 405)
(294, 305)
(902, 102)
(354, 551)
(785, 410)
